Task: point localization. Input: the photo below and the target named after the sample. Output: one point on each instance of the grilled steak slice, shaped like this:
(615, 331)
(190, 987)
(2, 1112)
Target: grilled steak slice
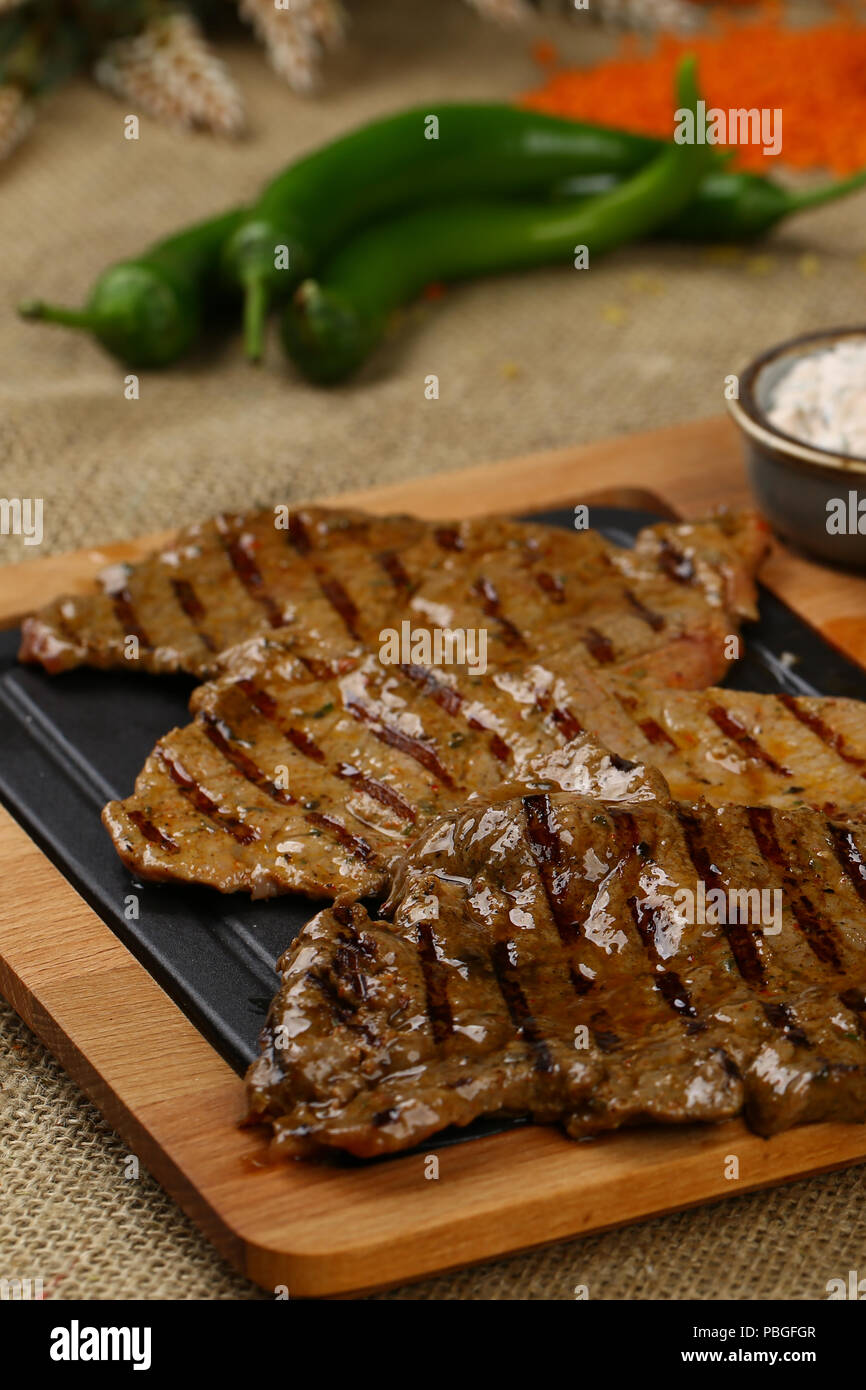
(731, 745)
(337, 579)
(538, 957)
(216, 584)
(286, 782)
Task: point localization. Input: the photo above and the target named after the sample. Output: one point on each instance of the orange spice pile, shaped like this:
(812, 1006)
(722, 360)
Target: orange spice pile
(817, 76)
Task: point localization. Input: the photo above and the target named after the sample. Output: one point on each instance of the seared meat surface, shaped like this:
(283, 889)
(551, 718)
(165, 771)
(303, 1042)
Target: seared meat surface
(285, 782)
(733, 745)
(337, 579)
(538, 958)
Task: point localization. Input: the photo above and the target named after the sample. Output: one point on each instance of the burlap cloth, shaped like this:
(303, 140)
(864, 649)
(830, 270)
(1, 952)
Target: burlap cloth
(524, 363)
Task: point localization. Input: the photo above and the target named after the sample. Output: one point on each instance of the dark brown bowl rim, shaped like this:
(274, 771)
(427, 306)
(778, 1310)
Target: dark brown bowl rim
(750, 408)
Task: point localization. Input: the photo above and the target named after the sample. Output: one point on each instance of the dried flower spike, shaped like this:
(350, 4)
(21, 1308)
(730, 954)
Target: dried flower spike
(296, 36)
(168, 71)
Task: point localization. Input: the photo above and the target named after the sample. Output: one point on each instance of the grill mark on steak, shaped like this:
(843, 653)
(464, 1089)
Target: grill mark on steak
(435, 984)
(221, 738)
(297, 535)
(674, 563)
(667, 982)
(249, 574)
(343, 1009)
(451, 701)
(379, 791)
(744, 947)
(348, 964)
(240, 830)
(626, 831)
(307, 746)
(499, 748)
(356, 844)
(604, 1035)
(518, 1006)
(849, 856)
(739, 734)
(420, 752)
(780, 1016)
(124, 609)
(568, 722)
(655, 733)
(740, 939)
(153, 833)
(258, 698)
(445, 695)
(319, 670)
(822, 729)
(492, 605)
(652, 619)
(304, 744)
(818, 932)
(550, 585)
(547, 850)
(395, 570)
(449, 538)
(340, 601)
(581, 984)
(194, 610)
(599, 647)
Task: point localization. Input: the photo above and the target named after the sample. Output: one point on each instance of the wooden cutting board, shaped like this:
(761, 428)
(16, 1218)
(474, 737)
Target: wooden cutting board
(315, 1229)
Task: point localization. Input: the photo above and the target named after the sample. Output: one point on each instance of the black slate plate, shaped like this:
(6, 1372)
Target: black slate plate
(70, 743)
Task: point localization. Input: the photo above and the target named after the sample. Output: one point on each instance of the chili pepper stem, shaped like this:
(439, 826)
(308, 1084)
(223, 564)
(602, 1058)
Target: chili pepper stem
(55, 313)
(812, 198)
(255, 313)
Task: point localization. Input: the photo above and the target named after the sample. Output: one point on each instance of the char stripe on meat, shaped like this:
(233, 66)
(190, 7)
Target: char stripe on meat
(128, 618)
(194, 609)
(248, 572)
(462, 985)
(819, 933)
(245, 834)
(221, 737)
(807, 715)
(151, 833)
(850, 858)
(741, 941)
(735, 731)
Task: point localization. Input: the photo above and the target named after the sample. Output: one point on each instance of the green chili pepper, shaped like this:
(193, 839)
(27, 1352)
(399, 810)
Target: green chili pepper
(403, 161)
(334, 322)
(149, 311)
(729, 205)
(733, 206)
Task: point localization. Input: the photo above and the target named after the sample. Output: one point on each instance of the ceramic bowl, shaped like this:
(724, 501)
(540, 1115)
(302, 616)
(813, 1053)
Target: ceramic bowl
(801, 489)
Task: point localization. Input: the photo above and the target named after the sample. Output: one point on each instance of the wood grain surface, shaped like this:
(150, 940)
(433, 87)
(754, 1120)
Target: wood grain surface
(325, 1228)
